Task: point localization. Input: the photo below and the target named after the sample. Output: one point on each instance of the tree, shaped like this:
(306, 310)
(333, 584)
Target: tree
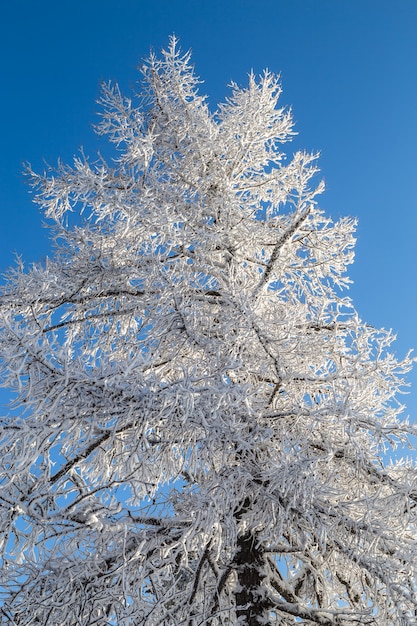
(201, 420)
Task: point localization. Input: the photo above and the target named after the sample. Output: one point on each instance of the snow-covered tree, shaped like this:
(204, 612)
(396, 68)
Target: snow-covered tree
(201, 421)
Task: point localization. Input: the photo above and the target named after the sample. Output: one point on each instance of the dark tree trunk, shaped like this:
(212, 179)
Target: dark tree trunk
(252, 602)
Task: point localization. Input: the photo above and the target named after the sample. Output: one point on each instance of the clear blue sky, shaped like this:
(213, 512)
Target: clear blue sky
(349, 70)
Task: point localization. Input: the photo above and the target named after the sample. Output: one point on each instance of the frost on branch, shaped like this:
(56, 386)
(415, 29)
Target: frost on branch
(200, 417)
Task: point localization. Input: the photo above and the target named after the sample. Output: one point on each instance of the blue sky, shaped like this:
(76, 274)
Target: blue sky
(349, 71)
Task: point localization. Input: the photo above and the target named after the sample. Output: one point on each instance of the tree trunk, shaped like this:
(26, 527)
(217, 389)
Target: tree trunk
(252, 602)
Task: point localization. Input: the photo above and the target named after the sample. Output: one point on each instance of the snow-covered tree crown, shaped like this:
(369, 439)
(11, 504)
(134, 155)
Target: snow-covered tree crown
(200, 413)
